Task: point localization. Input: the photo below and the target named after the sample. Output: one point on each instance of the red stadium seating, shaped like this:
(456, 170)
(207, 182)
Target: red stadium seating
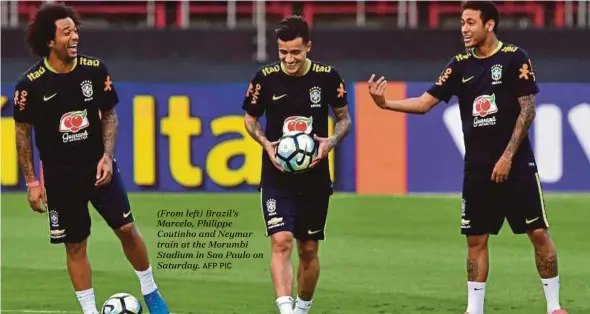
(433, 11)
(273, 8)
(310, 9)
(559, 14)
(532, 9)
(95, 8)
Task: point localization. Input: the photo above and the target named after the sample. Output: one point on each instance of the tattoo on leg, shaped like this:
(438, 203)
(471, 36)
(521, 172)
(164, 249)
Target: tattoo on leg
(546, 265)
(471, 269)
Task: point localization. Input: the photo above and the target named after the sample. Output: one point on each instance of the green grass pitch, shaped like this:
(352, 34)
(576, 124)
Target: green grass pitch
(382, 255)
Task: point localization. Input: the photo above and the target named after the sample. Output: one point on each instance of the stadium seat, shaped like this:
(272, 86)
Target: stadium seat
(279, 9)
(311, 9)
(532, 9)
(560, 13)
(103, 9)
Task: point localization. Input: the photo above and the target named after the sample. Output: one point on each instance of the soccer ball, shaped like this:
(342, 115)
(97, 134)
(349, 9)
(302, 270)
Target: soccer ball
(121, 303)
(295, 151)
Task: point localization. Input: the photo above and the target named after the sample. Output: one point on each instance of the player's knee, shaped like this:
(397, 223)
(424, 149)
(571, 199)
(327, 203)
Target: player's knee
(282, 243)
(76, 250)
(477, 242)
(308, 251)
(127, 232)
(539, 237)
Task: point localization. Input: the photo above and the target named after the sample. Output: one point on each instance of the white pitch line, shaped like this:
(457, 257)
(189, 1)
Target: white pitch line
(47, 311)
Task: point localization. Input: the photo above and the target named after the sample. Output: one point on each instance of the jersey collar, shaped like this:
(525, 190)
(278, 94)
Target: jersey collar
(500, 44)
(48, 66)
(307, 67)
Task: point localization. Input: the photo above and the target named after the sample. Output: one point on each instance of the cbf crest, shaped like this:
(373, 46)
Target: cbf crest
(497, 74)
(271, 206)
(87, 90)
(315, 96)
(54, 218)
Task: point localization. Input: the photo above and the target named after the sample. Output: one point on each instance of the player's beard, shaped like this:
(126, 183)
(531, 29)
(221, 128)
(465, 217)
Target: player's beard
(476, 42)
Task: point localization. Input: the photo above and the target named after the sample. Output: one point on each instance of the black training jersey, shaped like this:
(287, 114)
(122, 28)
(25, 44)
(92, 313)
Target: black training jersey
(290, 103)
(64, 111)
(488, 89)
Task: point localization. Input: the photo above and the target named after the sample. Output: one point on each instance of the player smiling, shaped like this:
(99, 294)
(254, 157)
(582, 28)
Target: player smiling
(69, 100)
(496, 87)
(295, 93)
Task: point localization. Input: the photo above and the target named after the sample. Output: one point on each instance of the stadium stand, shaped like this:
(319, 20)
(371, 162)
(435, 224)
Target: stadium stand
(401, 14)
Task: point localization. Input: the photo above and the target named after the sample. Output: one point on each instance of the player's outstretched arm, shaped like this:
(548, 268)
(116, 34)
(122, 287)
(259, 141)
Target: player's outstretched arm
(417, 105)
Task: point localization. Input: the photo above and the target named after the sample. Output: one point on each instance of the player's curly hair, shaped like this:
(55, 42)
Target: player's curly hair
(41, 30)
(292, 27)
(487, 9)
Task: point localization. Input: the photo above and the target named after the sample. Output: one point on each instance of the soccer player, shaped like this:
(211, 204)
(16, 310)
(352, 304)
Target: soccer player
(295, 89)
(496, 86)
(69, 100)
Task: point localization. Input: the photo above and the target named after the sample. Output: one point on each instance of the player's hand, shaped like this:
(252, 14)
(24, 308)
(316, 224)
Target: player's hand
(37, 199)
(271, 150)
(377, 90)
(326, 145)
(501, 169)
(104, 170)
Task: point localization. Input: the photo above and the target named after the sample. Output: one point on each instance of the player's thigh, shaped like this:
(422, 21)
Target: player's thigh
(312, 216)
(525, 204)
(480, 212)
(111, 201)
(278, 210)
(67, 202)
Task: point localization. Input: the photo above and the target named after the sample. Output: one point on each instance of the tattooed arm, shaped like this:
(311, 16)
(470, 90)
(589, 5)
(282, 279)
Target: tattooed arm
(110, 124)
(525, 118)
(340, 130)
(342, 126)
(254, 129)
(24, 148)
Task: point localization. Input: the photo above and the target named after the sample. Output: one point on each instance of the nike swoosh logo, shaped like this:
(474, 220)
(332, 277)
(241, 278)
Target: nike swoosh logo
(300, 160)
(274, 97)
(125, 215)
(313, 232)
(45, 98)
(531, 221)
(465, 80)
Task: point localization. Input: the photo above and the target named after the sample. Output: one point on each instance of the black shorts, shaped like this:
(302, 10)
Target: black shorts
(486, 204)
(304, 214)
(68, 195)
